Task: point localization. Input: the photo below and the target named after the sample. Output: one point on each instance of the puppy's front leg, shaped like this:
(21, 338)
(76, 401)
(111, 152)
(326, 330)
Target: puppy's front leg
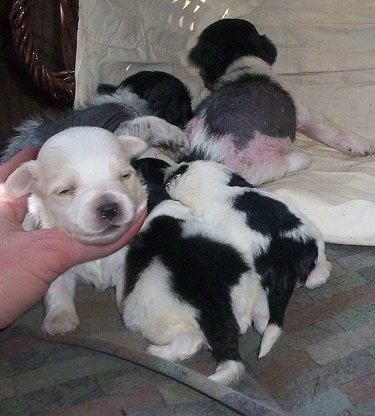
(316, 126)
(156, 132)
(60, 312)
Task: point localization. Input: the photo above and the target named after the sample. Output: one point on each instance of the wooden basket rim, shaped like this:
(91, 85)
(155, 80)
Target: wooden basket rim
(60, 84)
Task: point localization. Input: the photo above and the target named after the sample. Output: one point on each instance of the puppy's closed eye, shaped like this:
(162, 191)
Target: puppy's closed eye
(126, 174)
(65, 191)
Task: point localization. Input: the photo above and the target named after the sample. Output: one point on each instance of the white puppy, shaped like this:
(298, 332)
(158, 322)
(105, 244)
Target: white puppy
(82, 182)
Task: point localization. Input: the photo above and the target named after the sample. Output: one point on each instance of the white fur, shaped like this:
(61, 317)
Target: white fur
(242, 65)
(93, 166)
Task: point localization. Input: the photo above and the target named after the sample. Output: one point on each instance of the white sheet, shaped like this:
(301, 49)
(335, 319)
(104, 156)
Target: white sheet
(326, 55)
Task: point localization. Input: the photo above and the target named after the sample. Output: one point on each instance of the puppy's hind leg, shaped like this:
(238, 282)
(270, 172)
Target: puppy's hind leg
(278, 299)
(316, 126)
(182, 347)
(222, 332)
(61, 316)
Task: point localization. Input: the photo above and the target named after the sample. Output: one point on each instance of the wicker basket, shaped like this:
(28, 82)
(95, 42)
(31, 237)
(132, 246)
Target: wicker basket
(60, 84)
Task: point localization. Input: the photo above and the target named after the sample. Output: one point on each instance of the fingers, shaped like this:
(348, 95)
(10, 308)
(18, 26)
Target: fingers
(12, 164)
(12, 213)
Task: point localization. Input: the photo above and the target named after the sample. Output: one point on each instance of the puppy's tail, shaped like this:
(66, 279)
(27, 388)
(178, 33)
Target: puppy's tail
(30, 134)
(270, 336)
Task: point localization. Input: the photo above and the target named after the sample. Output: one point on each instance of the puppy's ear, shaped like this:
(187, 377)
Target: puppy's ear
(269, 50)
(21, 181)
(204, 55)
(134, 146)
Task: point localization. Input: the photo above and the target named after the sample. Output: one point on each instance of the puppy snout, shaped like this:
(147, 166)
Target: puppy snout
(108, 211)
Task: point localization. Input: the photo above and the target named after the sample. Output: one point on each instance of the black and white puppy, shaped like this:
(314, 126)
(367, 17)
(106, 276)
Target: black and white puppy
(249, 121)
(283, 248)
(167, 96)
(187, 286)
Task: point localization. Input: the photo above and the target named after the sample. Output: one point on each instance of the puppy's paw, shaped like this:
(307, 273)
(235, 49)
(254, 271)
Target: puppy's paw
(356, 146)
(319, 275)
(60, 323)
(162, 351)
(183, 346)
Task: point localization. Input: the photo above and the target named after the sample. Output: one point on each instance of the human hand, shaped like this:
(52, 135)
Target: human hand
(31, 260)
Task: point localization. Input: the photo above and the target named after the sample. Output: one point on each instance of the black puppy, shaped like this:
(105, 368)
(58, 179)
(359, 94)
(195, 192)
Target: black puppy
(167, 96)
(250, 120)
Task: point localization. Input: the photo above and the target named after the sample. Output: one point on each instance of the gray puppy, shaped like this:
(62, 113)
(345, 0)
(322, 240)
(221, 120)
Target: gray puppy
(121, 112)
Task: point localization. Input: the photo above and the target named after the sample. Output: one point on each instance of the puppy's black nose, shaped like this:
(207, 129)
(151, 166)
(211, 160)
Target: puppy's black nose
(108, 211)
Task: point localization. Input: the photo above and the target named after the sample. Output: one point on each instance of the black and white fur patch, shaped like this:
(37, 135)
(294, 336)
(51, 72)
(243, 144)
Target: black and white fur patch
(281, 246)
(186, 286)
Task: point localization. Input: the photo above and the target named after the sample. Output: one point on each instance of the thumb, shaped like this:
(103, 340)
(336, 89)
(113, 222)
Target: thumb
(12, 210)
